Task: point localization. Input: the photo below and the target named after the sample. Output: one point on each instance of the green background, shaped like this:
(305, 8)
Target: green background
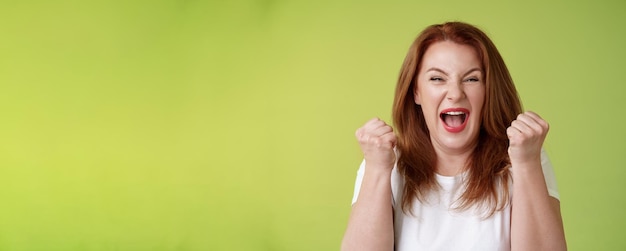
(228, 125)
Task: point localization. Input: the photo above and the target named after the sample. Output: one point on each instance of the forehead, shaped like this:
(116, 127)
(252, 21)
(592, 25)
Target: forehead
(450, 56)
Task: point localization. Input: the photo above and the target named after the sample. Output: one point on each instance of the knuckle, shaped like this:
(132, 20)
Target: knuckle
(377, 142)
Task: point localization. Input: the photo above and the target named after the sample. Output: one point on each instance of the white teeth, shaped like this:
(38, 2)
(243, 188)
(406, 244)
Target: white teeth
(455, 113)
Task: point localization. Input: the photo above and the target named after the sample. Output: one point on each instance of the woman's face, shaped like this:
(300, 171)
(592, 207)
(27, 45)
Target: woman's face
(451, 92)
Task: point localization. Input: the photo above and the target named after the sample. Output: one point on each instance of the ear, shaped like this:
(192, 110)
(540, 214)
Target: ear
(416, 96)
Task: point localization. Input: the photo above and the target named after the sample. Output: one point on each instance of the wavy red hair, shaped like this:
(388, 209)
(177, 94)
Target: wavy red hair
(487, 168)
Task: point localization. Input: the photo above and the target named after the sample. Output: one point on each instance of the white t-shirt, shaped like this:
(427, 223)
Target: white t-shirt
(436, 225)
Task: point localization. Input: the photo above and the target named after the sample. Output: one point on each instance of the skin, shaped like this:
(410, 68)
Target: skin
(536, 222)
(370, 226)
(451, 77)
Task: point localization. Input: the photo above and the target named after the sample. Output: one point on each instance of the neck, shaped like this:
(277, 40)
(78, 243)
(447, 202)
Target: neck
(451, 163)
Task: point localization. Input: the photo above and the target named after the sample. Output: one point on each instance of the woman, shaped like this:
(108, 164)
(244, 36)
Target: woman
(465, 169)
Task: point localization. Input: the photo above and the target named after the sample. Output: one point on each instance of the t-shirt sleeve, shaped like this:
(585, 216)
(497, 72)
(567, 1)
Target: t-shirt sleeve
(357, 183)
(546, 166)
(396, 184)
(548, 174)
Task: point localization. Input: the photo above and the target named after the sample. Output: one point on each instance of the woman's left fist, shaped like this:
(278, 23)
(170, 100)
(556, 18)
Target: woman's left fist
(526, 135)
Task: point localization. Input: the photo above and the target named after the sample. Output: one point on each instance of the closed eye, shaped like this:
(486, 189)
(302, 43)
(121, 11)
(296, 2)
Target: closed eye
(436, 79)
(472, 80)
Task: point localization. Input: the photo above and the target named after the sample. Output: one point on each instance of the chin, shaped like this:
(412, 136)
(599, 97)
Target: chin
(459, 141)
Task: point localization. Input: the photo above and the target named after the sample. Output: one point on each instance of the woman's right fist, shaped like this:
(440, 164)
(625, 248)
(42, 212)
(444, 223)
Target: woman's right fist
(377, 142)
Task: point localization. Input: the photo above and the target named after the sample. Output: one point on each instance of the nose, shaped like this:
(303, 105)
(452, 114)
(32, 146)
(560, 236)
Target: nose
(455, 91)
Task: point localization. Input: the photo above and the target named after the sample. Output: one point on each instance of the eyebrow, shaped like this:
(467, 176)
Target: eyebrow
(442, 71)
(436, 69)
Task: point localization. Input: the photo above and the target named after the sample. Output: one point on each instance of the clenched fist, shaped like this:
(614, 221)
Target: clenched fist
(526, 135)
(377, 142)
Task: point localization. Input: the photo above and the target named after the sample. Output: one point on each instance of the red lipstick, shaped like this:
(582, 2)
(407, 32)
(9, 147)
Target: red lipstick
(454, 119)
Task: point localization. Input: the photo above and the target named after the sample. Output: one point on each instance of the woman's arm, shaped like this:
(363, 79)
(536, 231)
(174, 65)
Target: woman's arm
(370, 226)
(536, 222)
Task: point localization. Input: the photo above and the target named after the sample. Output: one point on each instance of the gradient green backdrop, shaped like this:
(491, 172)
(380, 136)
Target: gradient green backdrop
(228, 125)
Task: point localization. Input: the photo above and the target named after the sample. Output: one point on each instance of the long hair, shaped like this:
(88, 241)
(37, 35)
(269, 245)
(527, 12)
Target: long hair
(487, 166)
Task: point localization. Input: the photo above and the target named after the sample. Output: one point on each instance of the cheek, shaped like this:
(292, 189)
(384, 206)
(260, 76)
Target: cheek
(432, 95)
(477, 97)
(430, 101)
(478, 102)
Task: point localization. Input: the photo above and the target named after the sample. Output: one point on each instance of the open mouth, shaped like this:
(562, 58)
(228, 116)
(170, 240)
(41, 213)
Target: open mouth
(454, 120)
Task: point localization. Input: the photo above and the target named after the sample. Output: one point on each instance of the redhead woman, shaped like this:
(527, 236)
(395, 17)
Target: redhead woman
(464, 168)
